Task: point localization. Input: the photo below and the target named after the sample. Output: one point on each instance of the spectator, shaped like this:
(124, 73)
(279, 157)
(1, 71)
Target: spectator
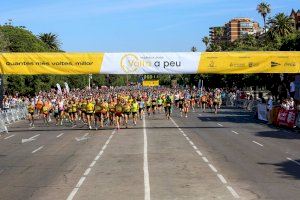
(269, 109)
(292, 89)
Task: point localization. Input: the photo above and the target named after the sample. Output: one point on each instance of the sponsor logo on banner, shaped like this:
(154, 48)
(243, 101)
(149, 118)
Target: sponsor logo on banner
(150, 63)
(275, 64)
(212, 64)
(237, 64)
(290, 64)
(253, 64)
(131, 63)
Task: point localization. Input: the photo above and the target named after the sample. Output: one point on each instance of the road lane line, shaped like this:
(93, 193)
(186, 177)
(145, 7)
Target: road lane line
(38, 149)
(222, 179)
(9, 137)
(257, 143)
(73, 193)
(191, 143)
(205, 159)
(213, 168)
(59, 135)
(199, 152)
(200, 114)
(87, 171)
(80, 182)
(293, 161)
(235, 132)
(233, 192)
(97, 157)
(220, 124)
(146, 167)
(100, 153)
(93, 163)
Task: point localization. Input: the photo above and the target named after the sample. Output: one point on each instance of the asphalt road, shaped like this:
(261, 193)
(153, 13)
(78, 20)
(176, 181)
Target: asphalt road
(204, 156)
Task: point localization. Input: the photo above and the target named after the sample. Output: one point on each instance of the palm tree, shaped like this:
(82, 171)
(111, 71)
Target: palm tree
(206, 41)
(264, 9)
(281, 25)
(51, 40)
(219, 33)
(194, 49)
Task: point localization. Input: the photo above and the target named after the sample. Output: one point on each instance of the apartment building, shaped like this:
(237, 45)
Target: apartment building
(296, 17)
(235, 28)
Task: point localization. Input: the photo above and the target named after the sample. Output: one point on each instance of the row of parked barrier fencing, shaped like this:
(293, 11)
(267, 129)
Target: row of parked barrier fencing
(12, 115)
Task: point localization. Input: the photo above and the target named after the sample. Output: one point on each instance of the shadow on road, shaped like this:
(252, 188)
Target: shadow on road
(287, 169)
(278, 134)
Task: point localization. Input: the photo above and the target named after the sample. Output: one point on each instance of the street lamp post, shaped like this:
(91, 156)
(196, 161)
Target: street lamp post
(90, 77)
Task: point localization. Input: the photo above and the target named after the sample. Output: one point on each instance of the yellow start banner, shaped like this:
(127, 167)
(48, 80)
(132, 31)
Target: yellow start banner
(249, 62)
(150, 63)
(151, 83)
(51, 63)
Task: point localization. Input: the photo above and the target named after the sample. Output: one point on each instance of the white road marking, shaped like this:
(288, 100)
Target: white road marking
(93, 163)
(30, 139)
(9, 137)
(37, 149)
(293, 161)
(97, 157)
(222, 179)
(146, 170)
(235, 132)
(73, 193)
(80, 182)
(233, 192)
(200, 114)
(257, 143)
(59, 135)
(205, 159)
(220, 124)
(180, 129)
(199, 152)
(100, 153)
(87, 171)
(213, 168)
(85, 137)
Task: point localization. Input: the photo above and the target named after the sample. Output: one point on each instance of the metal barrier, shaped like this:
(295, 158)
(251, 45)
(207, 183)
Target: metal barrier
(11, 116)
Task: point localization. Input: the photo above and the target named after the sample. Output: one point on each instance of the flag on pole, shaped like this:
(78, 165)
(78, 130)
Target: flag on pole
(59, 91)
(67, 87)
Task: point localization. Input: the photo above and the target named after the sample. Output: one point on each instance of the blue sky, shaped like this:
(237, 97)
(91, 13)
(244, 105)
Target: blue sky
(131, 25)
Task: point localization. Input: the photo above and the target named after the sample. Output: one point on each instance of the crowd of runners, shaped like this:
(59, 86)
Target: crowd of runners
(117, 107)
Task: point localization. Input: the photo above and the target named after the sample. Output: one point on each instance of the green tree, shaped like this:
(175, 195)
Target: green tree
(281, 25)
(51, 40)
(206, 41)
(194, 49)
(22, 40)
(4, 43)
(264, 9)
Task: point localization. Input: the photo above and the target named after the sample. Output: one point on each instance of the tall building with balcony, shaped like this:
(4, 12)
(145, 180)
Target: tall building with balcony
(236, 28)
(296, 17)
